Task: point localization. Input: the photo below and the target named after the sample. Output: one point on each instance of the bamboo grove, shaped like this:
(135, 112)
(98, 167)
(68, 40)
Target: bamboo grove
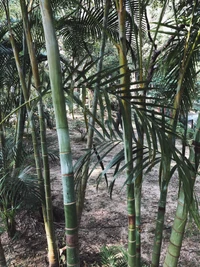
(147, 64)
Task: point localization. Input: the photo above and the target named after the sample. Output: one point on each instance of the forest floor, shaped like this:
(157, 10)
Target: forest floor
(104, 220)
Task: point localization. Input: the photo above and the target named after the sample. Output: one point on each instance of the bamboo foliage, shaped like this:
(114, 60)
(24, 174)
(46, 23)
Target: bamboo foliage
(71, 224)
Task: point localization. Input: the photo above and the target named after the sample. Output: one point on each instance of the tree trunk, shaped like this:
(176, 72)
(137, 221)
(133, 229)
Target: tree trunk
(180, 220)
(33, 130)
(178, 229)
(21, 115)
(71, 224)
(159, 227)
(127, 133)
(189, 49)
(48, 211)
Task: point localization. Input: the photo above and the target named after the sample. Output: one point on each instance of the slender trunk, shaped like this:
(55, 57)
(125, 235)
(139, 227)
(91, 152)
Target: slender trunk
(71, 224)
(159, 226)
(50, 234)
(127, 133)
(178, 228)
(140, 142)
(32, 125)
(138, 197)
(21, 115)
(2, 256)
(26, 97)
(164, 178)
(138, 192)
(187, 54)
(2, 141)
(83, 183)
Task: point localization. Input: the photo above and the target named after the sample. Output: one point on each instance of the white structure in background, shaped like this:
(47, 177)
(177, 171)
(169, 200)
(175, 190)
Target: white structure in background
(192, 119)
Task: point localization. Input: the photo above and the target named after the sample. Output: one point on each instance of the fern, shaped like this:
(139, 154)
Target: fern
(114, 256)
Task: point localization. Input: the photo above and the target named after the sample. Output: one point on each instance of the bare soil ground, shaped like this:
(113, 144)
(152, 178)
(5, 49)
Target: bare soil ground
(104, 219)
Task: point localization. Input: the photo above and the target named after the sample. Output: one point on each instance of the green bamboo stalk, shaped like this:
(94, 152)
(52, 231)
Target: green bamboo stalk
(140, 142)
(21, 116)
(33, 132)
(28, 107)
(83, 183)
(49, 227)
(71, 224)
(178, 228)
(127, 132)
(159, 225)
(138, 198)
(2, 139)
(188, 51)
(26, 97)
(2, 256)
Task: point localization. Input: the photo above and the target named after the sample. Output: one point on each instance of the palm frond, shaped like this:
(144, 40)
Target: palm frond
(113, 256)
(20, 189)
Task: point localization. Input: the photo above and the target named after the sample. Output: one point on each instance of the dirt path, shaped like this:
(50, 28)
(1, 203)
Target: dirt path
(104, 220)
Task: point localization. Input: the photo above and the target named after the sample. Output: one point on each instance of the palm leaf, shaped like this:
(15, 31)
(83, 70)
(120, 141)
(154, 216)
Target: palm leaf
(113, 256)
(21, 190)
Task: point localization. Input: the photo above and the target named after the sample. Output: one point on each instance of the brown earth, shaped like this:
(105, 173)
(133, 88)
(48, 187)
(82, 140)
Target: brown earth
(104, 220)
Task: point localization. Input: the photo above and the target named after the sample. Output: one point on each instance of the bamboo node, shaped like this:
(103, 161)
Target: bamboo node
(75, 264)
(165, 264)
(132, 256)
(132, 242)
(173, 256)
(71, 229)
(70, 203)
(68, 174)
(180, 203)
(177, 231)
(65, 152)
(180, 219)
(175, 247)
